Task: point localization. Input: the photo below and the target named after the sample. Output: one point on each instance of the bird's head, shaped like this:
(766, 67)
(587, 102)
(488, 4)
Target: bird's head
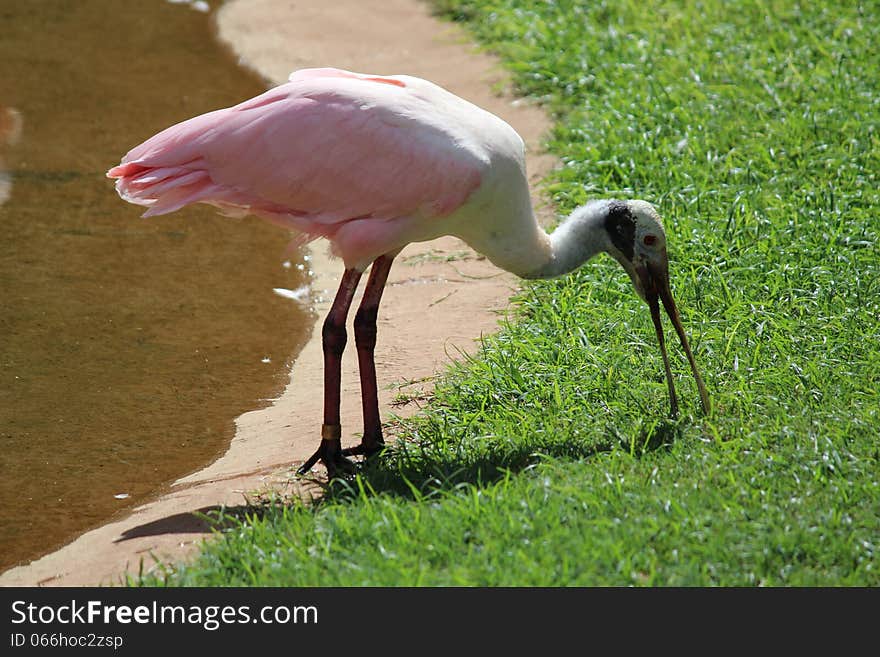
(637, 241)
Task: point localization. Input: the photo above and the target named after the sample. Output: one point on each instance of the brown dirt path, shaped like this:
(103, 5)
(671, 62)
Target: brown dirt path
(432, 307)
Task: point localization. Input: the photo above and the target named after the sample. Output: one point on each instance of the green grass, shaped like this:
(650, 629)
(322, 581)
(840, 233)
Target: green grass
(548, 459)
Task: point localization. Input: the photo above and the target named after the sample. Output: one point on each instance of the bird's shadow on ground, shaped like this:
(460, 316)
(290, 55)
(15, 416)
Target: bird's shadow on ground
(201, 521)
(412, 470)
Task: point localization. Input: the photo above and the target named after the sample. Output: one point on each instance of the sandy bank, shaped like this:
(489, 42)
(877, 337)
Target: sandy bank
(433, 306)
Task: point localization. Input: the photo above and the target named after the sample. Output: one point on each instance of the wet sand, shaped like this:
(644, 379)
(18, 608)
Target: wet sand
(441, 296)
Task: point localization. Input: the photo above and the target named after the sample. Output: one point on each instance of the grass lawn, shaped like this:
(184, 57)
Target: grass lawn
(548, 459)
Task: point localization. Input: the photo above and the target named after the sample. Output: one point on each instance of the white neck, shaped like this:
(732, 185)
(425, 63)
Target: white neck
(577, 239)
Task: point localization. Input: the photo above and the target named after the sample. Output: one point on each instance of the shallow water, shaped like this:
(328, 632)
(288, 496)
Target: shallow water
(127, 345)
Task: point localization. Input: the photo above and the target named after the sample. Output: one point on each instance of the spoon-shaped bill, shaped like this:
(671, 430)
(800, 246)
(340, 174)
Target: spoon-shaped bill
(655, 317)
(672, 311)
(655, 283)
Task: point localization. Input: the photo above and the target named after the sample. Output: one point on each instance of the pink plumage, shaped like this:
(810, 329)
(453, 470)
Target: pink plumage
(368, 162)
(373, 163)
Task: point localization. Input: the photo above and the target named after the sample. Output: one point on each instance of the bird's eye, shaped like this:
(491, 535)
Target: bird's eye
(649, 240)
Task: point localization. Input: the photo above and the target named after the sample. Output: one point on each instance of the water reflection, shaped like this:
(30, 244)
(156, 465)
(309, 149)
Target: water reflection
(198, 5)
(127, 346)
(10, 132)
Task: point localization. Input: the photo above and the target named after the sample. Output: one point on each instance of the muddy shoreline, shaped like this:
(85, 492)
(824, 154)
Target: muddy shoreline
(432, 286)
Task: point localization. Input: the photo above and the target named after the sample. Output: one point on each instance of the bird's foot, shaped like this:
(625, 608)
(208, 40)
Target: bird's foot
(330, 453)
(367, 447)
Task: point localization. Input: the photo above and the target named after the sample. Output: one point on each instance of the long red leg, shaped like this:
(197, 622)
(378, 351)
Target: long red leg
(334, 337)
(365, 339)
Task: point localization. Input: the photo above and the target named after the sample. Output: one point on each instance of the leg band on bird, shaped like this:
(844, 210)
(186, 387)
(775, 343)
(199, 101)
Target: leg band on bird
(333, 342)
(331, 432)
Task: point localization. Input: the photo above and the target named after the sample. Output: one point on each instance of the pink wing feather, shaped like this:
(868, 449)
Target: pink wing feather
(322, 152)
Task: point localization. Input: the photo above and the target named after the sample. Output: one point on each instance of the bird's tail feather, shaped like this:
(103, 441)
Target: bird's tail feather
(166, 189)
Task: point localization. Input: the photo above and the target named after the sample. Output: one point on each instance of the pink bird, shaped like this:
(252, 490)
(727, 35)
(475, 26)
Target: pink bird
(372, 163)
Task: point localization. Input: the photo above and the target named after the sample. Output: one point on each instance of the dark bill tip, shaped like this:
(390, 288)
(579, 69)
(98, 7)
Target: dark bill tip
(658, 327)
(655, 283)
